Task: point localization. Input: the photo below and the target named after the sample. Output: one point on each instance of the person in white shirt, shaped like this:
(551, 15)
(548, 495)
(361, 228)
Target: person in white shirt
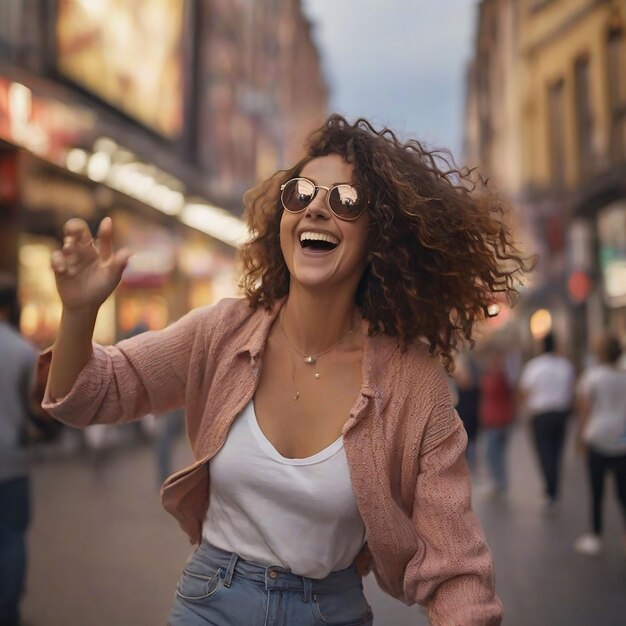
(546, 391)
(602, 433)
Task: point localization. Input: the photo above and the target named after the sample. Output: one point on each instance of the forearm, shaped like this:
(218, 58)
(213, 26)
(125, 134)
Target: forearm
(453, 573)
(86, 273)
(72, 350)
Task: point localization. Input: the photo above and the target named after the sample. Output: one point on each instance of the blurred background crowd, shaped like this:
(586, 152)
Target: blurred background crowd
(161, 113)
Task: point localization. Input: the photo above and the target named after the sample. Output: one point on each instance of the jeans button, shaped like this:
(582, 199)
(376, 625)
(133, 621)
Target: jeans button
(274, 574)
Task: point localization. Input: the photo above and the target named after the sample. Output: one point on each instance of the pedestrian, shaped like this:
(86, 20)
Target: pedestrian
(316, 407)
(546, 393)
(496, 414)
(601, 434)
(16, 375)
(467, 379)
(168, 427)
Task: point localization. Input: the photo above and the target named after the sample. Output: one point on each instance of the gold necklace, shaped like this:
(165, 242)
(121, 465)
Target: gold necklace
(309, 359)
(296, 393)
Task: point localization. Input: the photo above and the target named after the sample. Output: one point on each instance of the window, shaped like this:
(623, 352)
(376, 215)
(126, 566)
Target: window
(556, 131)
(538, 5)
(584, 119)
(616, 64)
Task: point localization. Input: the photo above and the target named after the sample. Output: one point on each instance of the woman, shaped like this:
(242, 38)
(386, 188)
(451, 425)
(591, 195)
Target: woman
(316, 407)
(496, 416)
(602, 434)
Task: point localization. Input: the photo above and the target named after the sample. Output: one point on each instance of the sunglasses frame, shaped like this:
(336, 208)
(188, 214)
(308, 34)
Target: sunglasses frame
(328, 192)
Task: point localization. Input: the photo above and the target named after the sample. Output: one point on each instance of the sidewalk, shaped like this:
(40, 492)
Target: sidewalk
(104, 553)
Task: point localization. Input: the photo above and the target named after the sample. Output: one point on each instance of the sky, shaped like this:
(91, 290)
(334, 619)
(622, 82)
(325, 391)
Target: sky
(400, 63)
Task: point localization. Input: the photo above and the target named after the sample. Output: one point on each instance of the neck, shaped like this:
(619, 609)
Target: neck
(314, 321)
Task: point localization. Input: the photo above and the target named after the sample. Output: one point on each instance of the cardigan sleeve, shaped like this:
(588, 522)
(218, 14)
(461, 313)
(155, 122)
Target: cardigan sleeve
(143, 374)
(452, 572)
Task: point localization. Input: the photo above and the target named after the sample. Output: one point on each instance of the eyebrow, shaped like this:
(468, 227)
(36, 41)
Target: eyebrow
(343, 182)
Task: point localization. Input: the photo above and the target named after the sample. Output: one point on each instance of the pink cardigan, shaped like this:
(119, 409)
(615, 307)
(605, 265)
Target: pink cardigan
(403, 440)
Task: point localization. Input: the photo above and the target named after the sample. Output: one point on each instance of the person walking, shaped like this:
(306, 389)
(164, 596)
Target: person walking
(546, 393)
(467, 382)
(496, 414)
(16, 375)
(168, 427)
(601, 435)
(317, 410)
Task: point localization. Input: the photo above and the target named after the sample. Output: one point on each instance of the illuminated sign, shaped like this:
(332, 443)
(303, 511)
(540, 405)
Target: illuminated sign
(42, 125)
(612, 252)
(127, 53)
(52, 129)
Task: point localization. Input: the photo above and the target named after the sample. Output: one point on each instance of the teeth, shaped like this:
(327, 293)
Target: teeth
(318, 237)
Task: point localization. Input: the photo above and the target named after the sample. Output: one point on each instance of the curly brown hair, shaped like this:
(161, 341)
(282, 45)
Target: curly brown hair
(440, 248)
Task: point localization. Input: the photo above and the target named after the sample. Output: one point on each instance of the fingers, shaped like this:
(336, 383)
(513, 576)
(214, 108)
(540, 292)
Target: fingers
(105, 238)
(79, 249)
(120, 261)
(77, 230)
(66, 261)
(116, 260)
(77, 246)
(57, 261)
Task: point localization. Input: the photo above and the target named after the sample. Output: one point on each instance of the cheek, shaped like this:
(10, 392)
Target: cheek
(286, 243)
(361, 239)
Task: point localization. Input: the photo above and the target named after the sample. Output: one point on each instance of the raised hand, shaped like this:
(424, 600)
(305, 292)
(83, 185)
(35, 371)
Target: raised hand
(87, 271)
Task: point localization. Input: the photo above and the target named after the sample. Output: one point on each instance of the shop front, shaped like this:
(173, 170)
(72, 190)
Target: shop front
(54, 166)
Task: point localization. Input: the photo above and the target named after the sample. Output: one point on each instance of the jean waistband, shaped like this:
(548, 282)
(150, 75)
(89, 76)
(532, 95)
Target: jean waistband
(275, 577)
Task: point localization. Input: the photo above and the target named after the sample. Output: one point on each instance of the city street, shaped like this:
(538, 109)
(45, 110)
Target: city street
(443, 173)
(104, 553)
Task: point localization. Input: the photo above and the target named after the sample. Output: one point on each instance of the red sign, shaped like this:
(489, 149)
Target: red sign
(579, 286)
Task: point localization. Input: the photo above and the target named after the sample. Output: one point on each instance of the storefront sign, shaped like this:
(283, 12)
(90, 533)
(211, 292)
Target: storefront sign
(127, 53)
(42, 125)
(154, 250)
(612, 252)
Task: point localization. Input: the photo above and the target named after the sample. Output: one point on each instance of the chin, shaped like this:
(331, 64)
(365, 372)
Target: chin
(314, 282)
(324, 281)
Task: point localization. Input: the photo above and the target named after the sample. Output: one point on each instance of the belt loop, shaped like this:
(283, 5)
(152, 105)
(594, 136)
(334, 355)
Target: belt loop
(230, 570)
(308, 589)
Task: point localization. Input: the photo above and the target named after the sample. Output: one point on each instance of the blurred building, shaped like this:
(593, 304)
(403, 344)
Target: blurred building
(546, 119)
(159, 113)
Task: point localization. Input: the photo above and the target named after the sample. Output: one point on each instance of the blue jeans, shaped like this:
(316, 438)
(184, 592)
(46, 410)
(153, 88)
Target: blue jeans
(497, 440)
(169, 426)
(14, 519)
(221, 589)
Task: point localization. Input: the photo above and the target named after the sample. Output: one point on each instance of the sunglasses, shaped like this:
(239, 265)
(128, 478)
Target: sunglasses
(343, 200)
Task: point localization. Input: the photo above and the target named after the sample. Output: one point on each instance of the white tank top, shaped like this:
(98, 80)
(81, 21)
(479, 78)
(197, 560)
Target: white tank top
(299, 514)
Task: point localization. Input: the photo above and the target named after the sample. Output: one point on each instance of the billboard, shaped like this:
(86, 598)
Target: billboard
(129, 54)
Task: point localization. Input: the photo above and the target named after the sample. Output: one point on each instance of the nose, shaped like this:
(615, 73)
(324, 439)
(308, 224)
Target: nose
(319, 206)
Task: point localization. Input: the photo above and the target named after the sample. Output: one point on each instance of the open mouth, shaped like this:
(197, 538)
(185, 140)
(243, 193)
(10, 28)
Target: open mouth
(318, 242)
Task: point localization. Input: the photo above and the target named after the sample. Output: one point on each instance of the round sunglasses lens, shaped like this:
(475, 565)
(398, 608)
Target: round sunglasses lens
(297, 195)
(345, 201)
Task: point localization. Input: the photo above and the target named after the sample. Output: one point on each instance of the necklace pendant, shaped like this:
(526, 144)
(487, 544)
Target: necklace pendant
(297, 395)
(317, 375)
(309, 360)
